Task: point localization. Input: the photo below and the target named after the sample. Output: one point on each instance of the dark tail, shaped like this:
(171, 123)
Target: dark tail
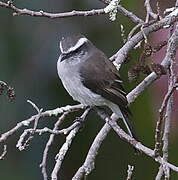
(130, 129)
(129, 125)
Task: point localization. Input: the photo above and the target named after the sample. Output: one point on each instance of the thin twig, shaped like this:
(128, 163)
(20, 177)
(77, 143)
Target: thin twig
(18, 11)
(49, 143)
(133, 30)
(48, 113)
(50, 131)
(149, 11)
(161, 118)
(167, 127)
(168, 115)
(39, 111)
(22, 143)
(170, 55)
(171, 83)
(162, 168)
(4, 152)
(65, 147)
(122, 54)
(171, 49)
(129, 172)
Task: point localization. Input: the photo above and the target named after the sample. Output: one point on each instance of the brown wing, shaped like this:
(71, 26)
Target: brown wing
(102, 78)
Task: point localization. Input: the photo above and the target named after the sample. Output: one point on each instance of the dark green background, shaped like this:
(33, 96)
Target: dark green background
(29, 49)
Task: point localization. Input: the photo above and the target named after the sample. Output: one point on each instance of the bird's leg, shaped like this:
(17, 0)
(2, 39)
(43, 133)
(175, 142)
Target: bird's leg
(82, 118)
(102, 111)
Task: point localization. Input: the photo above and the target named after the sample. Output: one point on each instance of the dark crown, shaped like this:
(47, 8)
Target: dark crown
(72, 43)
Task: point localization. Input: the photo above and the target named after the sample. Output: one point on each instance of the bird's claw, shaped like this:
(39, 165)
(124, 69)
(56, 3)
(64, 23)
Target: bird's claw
(80, 121)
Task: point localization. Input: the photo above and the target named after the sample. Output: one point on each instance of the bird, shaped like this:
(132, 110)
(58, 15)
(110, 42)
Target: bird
(91, 78)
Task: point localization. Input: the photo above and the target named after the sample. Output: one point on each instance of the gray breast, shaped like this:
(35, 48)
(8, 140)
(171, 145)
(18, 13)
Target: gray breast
(70, 77)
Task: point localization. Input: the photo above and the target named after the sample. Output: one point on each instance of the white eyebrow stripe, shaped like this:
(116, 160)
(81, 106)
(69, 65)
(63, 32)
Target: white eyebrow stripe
(79, 43)
(60, 46)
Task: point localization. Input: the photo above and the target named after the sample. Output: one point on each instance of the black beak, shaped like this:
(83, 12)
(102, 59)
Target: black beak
(62, 57)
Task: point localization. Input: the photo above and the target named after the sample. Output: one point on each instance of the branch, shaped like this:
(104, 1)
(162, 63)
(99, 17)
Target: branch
(89, 163)
(171, 50)
(133, 30)
(161, 118)
(119, 57)
(48, 113)
(149, 11)
(168, 106)
(126, 13)
(140, 146)
(50, 131)
(129, 172)
(22, 144)
(122, 54)
(4, 152)
(49, 143)
(131, 98)
(18, 11)
(168, 114)
(167, 127)
(149, 152)
(170, 56)
(65, 147)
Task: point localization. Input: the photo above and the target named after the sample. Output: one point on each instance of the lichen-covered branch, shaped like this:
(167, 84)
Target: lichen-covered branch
(17, 11)
(126, 13)
(122, 54)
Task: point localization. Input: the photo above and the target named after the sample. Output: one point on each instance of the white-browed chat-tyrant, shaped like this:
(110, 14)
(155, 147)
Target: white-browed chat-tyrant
(91, 78)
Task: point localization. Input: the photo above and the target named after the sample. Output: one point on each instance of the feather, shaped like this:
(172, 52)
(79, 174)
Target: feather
(102, 78)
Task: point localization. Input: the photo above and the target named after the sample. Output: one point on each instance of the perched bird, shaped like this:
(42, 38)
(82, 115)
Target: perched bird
(91, 78)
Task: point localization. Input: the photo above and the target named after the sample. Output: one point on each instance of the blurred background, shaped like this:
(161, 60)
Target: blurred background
(29, 49)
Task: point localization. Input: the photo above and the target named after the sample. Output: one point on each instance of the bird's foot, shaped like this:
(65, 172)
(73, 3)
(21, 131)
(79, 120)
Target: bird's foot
(80, 121)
